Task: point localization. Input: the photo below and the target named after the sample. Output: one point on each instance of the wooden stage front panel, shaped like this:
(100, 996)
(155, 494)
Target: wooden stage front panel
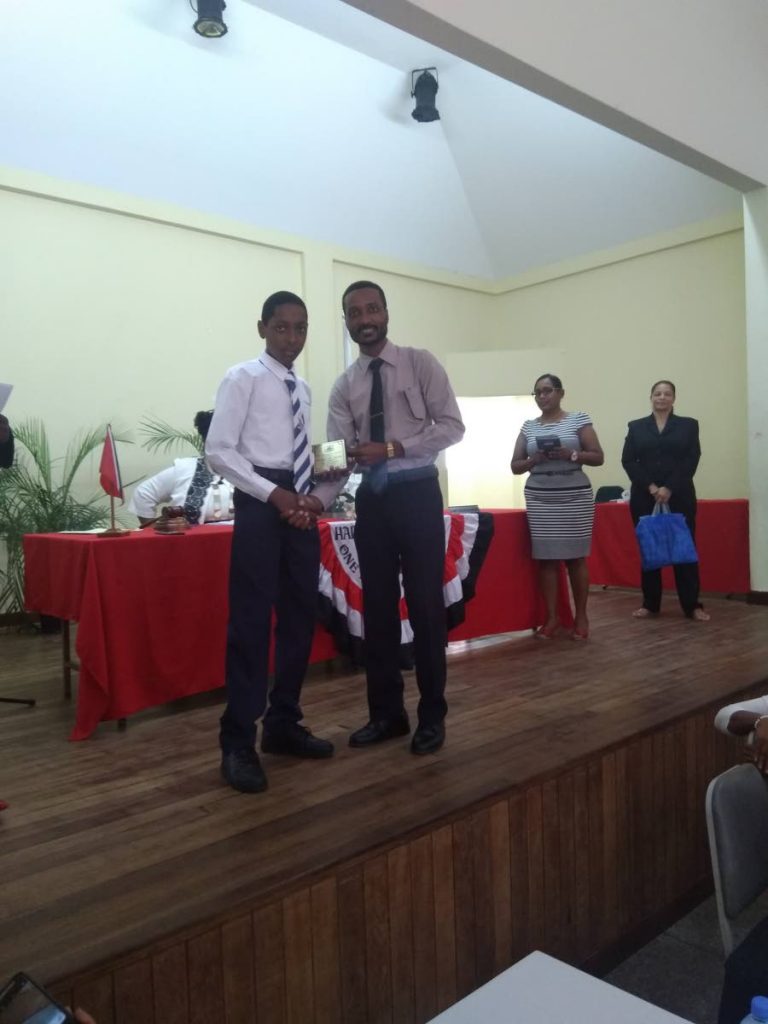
(564, 814)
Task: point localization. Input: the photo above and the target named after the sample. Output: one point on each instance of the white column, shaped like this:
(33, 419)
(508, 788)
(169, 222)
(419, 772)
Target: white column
(756, 276)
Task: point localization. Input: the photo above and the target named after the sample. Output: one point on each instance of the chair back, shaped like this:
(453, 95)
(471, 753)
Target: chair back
(608, 493)
(737, 826)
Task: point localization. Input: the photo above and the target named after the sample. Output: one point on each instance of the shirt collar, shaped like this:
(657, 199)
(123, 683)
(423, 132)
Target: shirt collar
(272, 364)
(388, 354)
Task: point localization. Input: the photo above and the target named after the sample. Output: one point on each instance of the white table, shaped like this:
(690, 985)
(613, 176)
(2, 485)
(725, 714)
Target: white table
(542, 990)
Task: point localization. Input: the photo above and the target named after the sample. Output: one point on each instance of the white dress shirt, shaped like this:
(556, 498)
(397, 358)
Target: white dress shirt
(170, 487)
(252, 424)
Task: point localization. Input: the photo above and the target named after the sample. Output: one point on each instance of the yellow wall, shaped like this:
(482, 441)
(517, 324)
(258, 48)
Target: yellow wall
(113, 308)
(677, 313)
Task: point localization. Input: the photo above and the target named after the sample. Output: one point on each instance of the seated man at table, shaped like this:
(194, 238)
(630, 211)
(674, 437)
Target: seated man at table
(206, 497)
(748, 718)
(259, 440)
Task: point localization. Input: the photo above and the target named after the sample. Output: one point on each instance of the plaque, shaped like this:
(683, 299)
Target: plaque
(329, 456)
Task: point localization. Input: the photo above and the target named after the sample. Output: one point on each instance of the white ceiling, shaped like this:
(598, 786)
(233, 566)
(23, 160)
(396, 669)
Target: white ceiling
(299, 120)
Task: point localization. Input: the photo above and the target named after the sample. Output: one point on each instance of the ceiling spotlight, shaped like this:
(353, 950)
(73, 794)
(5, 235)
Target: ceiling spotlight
(424, 89)
(209, 18)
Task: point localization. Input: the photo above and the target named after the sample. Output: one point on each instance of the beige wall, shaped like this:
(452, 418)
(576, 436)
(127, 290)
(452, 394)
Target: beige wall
(112, 308)
(677, 313)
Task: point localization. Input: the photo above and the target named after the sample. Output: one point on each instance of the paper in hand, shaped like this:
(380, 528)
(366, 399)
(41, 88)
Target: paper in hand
(5, 394)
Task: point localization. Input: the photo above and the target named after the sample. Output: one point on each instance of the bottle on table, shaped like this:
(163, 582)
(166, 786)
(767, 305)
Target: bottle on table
(758, 1011)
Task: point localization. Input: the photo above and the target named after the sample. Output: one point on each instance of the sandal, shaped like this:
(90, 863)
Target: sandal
(546, 632)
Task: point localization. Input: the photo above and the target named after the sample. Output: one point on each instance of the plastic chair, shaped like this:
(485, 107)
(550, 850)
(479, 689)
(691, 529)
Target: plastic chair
(610, 493)
(737, 826)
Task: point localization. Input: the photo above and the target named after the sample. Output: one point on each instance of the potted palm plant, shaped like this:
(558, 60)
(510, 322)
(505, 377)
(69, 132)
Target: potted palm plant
(36, 496)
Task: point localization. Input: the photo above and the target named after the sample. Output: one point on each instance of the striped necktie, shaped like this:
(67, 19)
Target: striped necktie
(302, 454)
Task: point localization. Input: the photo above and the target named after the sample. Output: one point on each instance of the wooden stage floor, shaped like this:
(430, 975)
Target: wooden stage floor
(563, 811)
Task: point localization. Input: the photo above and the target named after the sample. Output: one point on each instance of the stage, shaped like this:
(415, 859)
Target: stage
(565, 814)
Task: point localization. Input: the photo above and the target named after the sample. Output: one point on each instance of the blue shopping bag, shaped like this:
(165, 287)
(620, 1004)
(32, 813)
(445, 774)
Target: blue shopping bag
(664, 539)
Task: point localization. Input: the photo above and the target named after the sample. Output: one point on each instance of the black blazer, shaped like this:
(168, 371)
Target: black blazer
(667, 459)
(6, 452)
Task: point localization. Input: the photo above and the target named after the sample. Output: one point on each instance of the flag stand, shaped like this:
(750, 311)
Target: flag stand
(113, 530)
(110, 480)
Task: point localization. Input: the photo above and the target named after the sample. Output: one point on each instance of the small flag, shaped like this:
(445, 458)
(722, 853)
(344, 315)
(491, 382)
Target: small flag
(109, 468)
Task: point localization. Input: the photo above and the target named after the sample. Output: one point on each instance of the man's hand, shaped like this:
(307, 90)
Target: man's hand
(662, 495)
(5, 429)
(369, 454)
(299, 510)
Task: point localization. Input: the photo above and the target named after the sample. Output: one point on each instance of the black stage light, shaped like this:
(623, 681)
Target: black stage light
(209, 18)
(424, 90)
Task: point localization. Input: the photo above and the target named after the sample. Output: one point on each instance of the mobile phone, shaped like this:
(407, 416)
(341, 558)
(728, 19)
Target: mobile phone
(23, 1001)
(548, 444)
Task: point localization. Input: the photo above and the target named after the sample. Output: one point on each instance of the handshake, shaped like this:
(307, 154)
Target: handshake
(299, 510)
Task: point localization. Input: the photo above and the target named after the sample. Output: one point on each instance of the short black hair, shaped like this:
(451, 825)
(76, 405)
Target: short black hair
(551, 376)
(674, 389)
(202, 421)
(280, 299)
(357, 285)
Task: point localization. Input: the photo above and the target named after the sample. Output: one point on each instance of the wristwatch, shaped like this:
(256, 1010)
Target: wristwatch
(390, 450)
(574, 456)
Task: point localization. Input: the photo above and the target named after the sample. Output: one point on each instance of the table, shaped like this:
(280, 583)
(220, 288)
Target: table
(152, 609)
(542, 990)
(722, 539)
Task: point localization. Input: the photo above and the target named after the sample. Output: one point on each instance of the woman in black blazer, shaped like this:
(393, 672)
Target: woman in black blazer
(661, 453)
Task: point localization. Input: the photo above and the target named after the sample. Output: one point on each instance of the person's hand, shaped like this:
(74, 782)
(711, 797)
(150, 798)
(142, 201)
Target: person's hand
(758, 752)
(537, 458)
(82, 1017)
(5, 428)
(663, 494)
(284, 501)
(561, 454)
(305, 512)
(369, 454)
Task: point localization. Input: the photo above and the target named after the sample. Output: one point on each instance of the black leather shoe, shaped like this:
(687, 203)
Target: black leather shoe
(378, 731)
(243, 771)
(296, 741)
(428, 739)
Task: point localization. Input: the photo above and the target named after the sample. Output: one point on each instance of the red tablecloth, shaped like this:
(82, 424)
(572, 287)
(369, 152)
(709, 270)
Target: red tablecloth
(722, 539)
(152, 610)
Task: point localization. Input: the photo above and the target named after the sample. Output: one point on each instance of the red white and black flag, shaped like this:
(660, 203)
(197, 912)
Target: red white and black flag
(109, 467)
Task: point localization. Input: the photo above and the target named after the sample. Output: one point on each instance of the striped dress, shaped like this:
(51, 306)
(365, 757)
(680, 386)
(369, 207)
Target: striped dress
(558, 495)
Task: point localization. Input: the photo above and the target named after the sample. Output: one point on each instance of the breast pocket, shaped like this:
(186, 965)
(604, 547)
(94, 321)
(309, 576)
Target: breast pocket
(415, 404)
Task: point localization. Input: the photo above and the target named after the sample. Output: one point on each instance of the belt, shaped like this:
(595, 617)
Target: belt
(281, 477)
(406, 476)
(555, 472)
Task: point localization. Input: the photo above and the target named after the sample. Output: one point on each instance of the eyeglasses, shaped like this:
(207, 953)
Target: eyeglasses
(542, 392)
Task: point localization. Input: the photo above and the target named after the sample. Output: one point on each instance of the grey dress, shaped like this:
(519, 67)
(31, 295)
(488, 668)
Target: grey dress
(558, 495)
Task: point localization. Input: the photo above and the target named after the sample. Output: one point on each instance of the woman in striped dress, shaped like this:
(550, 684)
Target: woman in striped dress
(558, 497)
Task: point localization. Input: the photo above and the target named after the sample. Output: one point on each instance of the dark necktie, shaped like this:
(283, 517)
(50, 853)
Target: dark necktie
(377, 475)
(197, 493)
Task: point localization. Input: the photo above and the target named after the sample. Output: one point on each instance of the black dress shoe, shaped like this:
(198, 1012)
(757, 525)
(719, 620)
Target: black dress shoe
(296, 741)
(428, 738)
(243, 771)
(378, 731)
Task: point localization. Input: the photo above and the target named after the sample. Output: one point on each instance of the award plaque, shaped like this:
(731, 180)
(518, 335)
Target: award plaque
(329, 456)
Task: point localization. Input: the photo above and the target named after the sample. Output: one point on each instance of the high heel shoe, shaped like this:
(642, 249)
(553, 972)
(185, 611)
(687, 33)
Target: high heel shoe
(580, 634)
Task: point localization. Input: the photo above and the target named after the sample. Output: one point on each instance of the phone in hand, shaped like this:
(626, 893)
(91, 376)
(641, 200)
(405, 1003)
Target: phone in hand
(548, 444)
(23, 1001)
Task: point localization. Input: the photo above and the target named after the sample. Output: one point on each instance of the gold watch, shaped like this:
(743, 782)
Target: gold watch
(390, 450)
